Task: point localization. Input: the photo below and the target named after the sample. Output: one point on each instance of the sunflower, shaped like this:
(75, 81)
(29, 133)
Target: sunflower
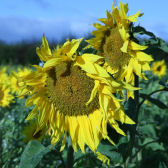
(113, 40)
(4, 78)
(5, 96)
(74, 95)
(159, 68)
(14, 81)
(30, 132)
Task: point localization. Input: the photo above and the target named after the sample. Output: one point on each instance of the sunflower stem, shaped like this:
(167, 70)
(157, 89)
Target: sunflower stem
(156, 91)
(136, 97)
(132, 135)
(70, 155)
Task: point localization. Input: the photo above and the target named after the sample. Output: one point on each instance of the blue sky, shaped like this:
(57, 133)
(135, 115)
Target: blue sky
(29, 19)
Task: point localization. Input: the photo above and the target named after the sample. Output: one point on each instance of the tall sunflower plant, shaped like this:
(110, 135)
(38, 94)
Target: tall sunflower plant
(89, 103)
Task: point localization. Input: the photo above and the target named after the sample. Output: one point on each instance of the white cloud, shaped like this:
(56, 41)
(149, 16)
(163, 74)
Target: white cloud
(17, 29)
(80, 28)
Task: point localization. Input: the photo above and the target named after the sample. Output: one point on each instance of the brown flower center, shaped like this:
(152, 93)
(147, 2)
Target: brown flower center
(69, 88)
(159, 68)
(111, 49)
(37, 134)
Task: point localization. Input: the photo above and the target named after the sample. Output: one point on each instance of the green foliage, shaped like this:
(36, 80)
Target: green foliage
(32, 154)
(11, 126)
(154, 101)
(157, 47)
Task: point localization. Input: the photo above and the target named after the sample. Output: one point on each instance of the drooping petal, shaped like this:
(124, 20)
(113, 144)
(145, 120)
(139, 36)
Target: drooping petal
(135, 46)
(141, 56)
(44, 51)
(52, 63)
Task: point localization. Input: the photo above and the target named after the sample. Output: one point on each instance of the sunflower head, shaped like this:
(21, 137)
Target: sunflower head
(30, 132)
(5, 97)
(14, 81)
(112, 50)
(4, 78)
(114, 42)
(73, 95)
(159, 68)
(68, 87)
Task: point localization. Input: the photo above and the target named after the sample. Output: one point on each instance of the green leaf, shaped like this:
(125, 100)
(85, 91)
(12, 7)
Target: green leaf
(123, 150)
(156, 146)
(162, 165)
(142, 31)
(163, 45)
(78, 154)
(109, 151)
(148, 130)
(32, 154)
(154, 101)
(152, 159)
(165, 84)
(152, 144)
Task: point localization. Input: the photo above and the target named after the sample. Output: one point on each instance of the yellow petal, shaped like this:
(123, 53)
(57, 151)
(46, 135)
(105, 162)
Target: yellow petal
(103, 158)
(124, 34)
(91, 57)
(52, 63)
(109, 19)
(103, 20)
(95, 120)
(135, 46)
(137, 68)
(133, 18)
(32, 114)
(101, 71)
(115, 125)
(130, 94)
(129, 72)
(145, 67)
(122, 117)
(74, 48)
(63, 143)
(73, 130)
(94, 91)
(81, 140)
(122, 11)
(85, 65)
(141, 56)
(44, 52)
(86, 129)
(125, 46)
(98, 25)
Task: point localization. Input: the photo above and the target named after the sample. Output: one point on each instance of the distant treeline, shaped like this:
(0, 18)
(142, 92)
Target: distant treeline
(24, 53)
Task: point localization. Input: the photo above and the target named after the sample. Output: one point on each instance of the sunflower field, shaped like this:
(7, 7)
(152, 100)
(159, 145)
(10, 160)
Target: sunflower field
(95, 102)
